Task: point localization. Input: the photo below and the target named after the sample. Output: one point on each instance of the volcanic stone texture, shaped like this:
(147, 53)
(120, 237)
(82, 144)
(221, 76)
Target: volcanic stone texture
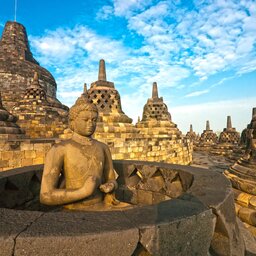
(17, 67)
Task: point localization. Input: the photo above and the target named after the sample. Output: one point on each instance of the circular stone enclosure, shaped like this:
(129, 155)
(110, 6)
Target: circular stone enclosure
(181, 210)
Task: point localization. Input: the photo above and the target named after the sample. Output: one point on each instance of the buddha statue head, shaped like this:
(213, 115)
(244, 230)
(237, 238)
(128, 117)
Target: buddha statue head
(83, 117)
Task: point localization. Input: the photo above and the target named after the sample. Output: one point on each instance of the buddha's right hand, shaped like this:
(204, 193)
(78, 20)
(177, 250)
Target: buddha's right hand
(89, 186)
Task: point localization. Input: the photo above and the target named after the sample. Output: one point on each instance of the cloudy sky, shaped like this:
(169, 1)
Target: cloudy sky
(202, 53)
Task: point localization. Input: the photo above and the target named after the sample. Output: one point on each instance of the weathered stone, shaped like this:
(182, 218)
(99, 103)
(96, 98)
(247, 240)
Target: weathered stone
(192, 135)
(208, 138)
(17, 67)
(12, 223)
(71, 233)
(175, 227)
(249, 240)
(42, 120)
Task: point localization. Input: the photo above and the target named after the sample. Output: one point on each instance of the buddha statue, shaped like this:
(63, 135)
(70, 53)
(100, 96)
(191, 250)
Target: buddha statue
(78, 173)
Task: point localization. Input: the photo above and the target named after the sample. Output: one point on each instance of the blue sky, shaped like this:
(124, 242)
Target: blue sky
(201, 53)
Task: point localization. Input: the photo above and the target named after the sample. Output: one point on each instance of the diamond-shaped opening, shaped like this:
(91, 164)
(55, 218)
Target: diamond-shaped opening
(10, 186)
(106, 100)
(102, 96)
(133, 173)
(98, 101)
(94, 96)
(102, 106)
(141, 251)
(157, 174)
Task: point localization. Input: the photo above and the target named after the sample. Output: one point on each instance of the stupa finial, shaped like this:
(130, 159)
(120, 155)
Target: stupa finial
(208, 125)
(35, 81)
(191, 128)
(85, 90)
(102, 71)
(154, 91)
(229, 123)
(253, 112)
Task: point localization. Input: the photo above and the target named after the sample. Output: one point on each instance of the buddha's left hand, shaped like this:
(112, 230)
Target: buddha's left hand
(107, 187)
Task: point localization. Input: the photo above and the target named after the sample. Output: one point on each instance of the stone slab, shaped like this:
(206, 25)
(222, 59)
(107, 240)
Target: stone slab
(79, 233)
(12, 223)
(174, 227)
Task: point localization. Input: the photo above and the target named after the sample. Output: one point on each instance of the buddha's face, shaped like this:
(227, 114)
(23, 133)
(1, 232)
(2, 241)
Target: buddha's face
(85, 123)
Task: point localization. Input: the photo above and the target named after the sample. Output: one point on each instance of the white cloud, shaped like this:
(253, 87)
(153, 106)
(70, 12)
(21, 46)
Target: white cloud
(213, 38)
(176, 44)
(196, 93)
(105, 12)
(126, 8)
(73, 55)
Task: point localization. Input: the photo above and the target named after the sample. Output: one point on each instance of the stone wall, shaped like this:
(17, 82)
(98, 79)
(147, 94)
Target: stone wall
(23, 152)
(154, 149)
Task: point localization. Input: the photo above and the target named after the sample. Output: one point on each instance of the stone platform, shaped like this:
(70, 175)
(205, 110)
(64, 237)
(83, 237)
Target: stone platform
(199, 220)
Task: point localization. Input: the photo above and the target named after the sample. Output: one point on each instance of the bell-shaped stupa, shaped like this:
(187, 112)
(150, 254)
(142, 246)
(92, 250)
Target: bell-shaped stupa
(229, 134)
(17, 68)
(112, 121)
(228, 141)
(192, 135)
(208, 138)
(163, 137)
(156, 120)
(36, 115)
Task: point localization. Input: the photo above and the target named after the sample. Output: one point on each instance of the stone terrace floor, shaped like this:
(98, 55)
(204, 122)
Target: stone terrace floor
(213, 162)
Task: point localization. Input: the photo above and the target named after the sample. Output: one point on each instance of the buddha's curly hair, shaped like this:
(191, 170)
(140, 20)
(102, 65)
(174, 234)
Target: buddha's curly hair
(82, 104)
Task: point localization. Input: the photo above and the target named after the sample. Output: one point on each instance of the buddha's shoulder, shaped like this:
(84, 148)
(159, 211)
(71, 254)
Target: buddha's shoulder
(62, 145)
(100, 144)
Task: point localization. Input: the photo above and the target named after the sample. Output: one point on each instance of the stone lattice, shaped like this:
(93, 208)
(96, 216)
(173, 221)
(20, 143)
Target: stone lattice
(156, 120)
(192, 135)
(155, 109)
(228, 141)
(229, 134)
(152, 139)
(36, 115)
(112, 121)
(156, 124)
(17, 67)
(8, 126)
(208, 138)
